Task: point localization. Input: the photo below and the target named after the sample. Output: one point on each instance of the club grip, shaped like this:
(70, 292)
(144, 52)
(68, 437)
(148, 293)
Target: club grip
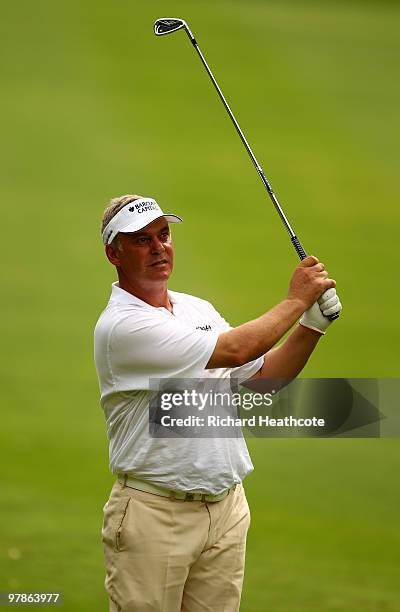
(299, 248)
(302, 254)
(333, 316)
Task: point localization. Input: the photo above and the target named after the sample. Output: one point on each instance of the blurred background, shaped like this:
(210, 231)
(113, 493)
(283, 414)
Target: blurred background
(95, 106)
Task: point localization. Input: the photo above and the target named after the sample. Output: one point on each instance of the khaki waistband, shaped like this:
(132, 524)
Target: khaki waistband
(148, 487)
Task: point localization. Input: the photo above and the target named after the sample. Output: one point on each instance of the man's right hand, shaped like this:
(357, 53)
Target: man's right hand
(309, 281)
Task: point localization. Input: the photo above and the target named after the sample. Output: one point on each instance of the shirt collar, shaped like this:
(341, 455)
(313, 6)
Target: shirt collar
(121, 296)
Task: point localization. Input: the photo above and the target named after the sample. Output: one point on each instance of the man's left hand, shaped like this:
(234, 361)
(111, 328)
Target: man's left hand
(316, 317)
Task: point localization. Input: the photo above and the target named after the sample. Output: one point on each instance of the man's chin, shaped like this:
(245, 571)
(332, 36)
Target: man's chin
(162, 271)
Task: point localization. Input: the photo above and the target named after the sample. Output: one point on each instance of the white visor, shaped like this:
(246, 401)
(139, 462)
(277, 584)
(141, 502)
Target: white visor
(134, 217)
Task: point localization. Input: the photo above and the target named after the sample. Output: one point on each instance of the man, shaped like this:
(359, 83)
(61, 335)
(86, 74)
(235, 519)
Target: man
(175, 524)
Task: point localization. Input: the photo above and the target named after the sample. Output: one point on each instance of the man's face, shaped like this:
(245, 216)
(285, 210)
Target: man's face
(145, 257)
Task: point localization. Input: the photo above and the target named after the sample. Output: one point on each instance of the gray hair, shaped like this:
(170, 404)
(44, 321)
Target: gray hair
(113, 208)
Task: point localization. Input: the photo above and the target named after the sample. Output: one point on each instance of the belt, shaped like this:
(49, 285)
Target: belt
(148, 487)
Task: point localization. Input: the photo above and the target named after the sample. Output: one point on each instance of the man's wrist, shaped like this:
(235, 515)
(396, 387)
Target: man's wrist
(311, 329)
(296, 305)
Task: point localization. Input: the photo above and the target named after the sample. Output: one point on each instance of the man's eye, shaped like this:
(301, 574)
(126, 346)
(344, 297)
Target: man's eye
(141, 240)
(165, 235)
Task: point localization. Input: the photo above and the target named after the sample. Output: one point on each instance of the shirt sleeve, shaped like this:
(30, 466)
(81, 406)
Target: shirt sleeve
(143, 346)
(247, 370)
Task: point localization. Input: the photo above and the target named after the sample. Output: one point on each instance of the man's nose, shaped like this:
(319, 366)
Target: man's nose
(157, 246)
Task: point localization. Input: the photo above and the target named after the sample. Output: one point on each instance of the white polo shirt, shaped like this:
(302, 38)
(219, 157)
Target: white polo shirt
(135, 342)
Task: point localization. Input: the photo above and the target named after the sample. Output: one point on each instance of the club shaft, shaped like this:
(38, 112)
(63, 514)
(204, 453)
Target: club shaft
(295, 241)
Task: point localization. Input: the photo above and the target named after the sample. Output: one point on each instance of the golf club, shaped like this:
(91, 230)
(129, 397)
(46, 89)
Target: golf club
(167, 25)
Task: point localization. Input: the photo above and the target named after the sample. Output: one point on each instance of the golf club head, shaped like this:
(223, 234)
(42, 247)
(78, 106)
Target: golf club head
(166, 25)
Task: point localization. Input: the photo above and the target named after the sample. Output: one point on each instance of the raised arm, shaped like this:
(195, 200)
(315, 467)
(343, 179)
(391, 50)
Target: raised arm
(255, 338)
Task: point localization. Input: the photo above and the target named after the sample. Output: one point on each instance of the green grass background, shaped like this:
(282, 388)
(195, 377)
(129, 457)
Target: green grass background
(93, 105)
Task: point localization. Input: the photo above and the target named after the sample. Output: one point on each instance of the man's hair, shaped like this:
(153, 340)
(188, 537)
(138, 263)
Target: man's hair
(115, 206)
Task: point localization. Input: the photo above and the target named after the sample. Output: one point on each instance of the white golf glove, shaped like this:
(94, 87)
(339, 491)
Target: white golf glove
(316, 316)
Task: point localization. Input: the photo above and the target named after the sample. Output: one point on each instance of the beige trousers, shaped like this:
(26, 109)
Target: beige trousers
(168, 555)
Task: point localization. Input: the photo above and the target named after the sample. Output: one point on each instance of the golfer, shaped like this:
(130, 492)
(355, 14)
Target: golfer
(175, 525)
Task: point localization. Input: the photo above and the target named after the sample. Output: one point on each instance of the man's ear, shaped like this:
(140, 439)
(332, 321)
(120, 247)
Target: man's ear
(112, 254)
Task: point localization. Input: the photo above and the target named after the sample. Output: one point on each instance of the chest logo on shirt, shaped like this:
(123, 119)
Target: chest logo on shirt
(204, 327)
